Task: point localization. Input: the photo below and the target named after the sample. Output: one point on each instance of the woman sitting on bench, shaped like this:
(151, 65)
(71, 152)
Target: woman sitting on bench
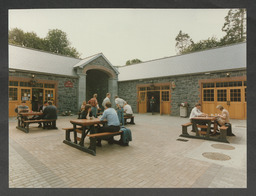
(113, 121)
(222, 118)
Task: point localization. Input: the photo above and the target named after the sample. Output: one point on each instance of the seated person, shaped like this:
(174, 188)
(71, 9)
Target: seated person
(113, 124)
(128, 112)
(41, 109)
(223, 118)
(50, 112)
(23, 107)
(196, 112)
(86, 112)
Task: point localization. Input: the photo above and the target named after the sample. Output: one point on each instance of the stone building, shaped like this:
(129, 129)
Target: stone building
(211, 77)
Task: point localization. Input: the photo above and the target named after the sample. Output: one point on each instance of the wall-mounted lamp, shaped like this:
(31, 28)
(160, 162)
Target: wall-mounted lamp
(228, 74)
(173, 85)
(33, 76)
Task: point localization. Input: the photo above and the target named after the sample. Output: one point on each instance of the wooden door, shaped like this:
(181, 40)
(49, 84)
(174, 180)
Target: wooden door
(26, 95)
(236, 102)
(165, 102)
(142, 102)
(13, 100)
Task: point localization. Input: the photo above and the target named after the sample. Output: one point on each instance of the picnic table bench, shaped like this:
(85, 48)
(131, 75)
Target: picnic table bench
(204, 123)
(129, 117)
(86, 128)
(24, 122)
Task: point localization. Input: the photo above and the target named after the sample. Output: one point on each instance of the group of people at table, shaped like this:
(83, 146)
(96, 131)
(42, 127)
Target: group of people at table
(114, 117)
(48, 110)
(221, 119)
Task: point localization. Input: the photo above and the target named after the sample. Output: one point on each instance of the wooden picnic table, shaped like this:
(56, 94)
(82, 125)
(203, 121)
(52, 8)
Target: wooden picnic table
(87, 126)
(204, 123)
(24, 121)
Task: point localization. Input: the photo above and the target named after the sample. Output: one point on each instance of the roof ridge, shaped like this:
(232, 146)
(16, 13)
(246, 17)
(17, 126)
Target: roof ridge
(182, 54)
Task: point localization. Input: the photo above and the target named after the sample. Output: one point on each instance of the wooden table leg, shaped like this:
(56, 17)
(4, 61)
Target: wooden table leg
(75, 134)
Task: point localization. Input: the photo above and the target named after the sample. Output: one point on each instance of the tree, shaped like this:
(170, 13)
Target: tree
(183, 41)
(133, 61)
(16, 36)
(234, 26)
(56, 41)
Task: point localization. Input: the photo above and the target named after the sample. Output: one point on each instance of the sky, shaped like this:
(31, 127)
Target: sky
(122, 34)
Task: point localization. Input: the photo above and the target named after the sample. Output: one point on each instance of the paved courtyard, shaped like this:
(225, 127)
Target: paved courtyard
(154, 159)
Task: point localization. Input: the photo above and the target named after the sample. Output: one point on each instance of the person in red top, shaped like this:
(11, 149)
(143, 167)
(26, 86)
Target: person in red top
(94, 103)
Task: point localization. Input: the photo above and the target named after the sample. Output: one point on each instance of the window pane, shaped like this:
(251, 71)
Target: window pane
(222, 95)
(13, 94)
(208, 95)
(235, 95)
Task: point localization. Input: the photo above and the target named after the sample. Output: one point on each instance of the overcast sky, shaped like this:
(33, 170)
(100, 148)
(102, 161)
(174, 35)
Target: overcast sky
(122, 34)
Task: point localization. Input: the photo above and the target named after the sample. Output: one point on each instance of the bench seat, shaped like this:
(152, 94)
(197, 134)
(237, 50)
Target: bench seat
(129, 117)
(185, 128)
(44, 121)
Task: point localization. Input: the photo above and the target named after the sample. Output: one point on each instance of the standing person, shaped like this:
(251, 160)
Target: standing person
(152, 102)
(128, 112)
(107, 99)
(94, 103)
(113, 124)
(120, 110)
(86, 112)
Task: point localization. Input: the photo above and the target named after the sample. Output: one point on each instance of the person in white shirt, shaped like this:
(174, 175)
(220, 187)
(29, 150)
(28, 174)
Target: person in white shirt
(128, 112)
(107, 99)
(196, 111)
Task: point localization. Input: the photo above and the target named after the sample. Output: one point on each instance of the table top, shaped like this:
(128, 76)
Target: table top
(30, 113)
(204, 118)
(86, 122)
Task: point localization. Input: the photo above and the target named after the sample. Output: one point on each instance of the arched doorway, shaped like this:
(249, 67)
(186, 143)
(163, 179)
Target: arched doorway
(96, 82)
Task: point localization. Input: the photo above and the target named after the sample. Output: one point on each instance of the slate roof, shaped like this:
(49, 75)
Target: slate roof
(91, 58)
(39, 61)
(212, 60)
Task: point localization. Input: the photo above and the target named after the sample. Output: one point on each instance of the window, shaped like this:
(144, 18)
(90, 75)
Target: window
(222, 95)
(142, 96)
(235, 95)
(165, 87)
(25, 94)
(25, 84)
(13, 94)
(48, 95)
(208, 95)
(13, 83)
(48, 85)
(208, 85)
(165, 95)
(142, 88)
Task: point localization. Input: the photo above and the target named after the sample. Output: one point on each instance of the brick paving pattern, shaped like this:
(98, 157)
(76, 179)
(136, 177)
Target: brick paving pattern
(154, 159)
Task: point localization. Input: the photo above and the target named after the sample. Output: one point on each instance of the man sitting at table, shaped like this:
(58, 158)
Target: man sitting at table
(22, 108)
(113, 124)
(41, 109)
(50, 112)
(196, 112)
(86, 113)
(128, 112)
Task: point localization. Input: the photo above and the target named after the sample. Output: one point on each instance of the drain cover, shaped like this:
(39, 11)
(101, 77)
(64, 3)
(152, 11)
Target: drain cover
(183, 140)
(223, 146)
(216, 156)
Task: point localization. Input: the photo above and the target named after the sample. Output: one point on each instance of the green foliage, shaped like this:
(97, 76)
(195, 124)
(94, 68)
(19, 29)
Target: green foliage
(234, 27)
(133, 61)
(183, 41)
(56, 41)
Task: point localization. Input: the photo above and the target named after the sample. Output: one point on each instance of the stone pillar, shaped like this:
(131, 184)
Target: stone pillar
(113, 90)
(81, 89)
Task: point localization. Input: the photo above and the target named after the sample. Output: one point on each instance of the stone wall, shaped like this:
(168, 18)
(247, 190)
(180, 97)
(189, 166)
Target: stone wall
(66, 97)
(187, 89)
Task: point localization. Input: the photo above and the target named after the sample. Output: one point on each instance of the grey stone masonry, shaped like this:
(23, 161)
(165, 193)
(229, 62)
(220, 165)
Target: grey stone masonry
(187, 89)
